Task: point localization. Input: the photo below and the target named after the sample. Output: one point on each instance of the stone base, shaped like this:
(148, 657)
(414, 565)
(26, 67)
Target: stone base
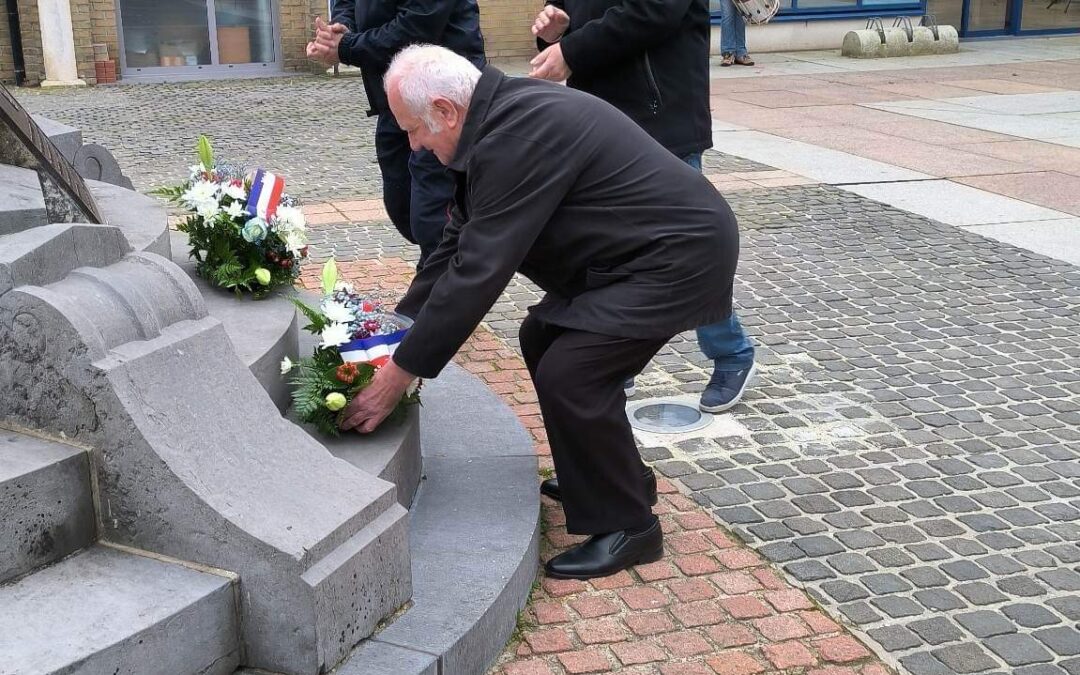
(62, 83)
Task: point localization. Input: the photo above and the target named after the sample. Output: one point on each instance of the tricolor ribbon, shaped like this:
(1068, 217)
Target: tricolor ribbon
(375, 350)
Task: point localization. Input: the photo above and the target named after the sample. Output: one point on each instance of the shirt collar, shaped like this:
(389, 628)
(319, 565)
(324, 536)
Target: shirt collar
(482, 97)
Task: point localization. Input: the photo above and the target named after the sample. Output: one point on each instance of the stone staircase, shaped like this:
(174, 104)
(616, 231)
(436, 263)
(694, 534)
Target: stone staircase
(129, 543)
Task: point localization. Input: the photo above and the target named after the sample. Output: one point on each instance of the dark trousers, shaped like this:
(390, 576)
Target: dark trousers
(579, 383)
(417, 188)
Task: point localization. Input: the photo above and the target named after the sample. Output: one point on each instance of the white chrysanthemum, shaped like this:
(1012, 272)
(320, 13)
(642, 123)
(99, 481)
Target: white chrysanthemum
(286, 365)
(234, 210)
(295, 241)
(413, 387)
(208, 208)
(234, 191)
(290, 218)
(199, 192)
(337, 312)
(335, 334)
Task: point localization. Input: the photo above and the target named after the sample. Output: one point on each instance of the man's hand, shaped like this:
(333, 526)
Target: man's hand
(550, 24)
(377, 400)
(550, 65)
(324, 48)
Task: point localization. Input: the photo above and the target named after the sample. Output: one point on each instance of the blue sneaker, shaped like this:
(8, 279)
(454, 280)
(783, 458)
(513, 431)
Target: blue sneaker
(628, 388)
(725, 388)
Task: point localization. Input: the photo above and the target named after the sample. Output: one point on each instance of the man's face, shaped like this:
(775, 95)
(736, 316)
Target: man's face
(442, 142)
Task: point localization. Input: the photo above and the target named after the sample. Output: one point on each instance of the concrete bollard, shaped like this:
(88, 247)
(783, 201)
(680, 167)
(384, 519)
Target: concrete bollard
(867, 43)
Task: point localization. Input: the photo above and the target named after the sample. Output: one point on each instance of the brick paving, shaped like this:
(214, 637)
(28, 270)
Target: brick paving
(908, 459)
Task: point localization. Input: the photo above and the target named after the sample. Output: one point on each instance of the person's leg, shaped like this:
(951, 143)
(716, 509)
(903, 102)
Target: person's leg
(740, 32)
(393, 152)
(432, 194)
(732, 353)
(728, 38)
(578, 378)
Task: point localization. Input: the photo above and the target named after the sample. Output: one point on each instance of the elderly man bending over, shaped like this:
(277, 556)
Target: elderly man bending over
(630, 244)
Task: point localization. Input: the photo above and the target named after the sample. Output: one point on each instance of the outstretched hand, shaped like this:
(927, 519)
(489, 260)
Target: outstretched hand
(550, 24)
(324, 48)
(550, 65)
(377, 400)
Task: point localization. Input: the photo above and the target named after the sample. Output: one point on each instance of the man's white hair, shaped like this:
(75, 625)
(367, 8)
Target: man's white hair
(423, 73)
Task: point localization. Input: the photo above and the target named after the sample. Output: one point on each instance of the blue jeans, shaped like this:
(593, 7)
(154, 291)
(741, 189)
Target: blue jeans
(732, 30)
(725, 342)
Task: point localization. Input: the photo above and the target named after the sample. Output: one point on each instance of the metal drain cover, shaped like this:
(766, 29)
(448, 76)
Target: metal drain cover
(666, 416)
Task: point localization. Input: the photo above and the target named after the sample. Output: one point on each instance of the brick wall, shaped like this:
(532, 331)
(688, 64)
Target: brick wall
(31, 41)
(506, 26)
(103, 28)
(297, 19)
(7, 60)
(82, 31)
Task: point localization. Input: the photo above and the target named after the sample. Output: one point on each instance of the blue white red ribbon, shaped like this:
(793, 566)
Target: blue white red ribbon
(375, 350)
(266, 189)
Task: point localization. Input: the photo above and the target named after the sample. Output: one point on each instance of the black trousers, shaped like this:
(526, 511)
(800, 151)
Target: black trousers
(417, 188)
(579, 383)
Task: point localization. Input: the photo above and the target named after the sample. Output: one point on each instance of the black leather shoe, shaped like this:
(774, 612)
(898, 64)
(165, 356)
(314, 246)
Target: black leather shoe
(604, 554)
(550, 487)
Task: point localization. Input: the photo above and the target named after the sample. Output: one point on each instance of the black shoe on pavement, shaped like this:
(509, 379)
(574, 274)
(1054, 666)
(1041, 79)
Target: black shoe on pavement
(604, 554)
(725, 389)
(550, 487)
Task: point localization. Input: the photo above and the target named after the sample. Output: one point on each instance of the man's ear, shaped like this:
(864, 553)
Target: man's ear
(447, 111)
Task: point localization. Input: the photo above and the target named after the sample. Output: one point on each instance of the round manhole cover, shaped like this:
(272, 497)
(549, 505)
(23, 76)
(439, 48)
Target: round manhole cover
(666, 417)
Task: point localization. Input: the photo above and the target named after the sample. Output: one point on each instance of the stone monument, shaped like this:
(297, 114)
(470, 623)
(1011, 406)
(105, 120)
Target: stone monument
(154, 503)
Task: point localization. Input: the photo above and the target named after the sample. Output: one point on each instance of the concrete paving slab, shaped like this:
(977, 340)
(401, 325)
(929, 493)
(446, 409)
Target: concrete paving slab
(1058, 239)
(1026, 104)
(379, 658)
(1037, 154)
(999, 86)
(1049, 188)
(954, 204)
(821, 164)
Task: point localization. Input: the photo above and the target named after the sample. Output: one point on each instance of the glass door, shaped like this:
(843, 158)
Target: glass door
(988, 17)
(1050, 16)
(182, 36)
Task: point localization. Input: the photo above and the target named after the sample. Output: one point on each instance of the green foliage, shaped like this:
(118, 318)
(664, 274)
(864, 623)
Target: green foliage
(317, 322)
(206, 153)
(329, 277)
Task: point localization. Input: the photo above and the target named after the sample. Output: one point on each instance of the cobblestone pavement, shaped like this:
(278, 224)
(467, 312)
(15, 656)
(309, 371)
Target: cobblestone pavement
(910, 451)
(312, 129)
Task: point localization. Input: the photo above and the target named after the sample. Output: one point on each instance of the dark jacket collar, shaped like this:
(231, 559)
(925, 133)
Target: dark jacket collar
(482, 97)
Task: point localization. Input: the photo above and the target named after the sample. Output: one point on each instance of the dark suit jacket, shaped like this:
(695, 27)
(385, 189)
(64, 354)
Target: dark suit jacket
(378, 29)
(625, 238)
(649, 59)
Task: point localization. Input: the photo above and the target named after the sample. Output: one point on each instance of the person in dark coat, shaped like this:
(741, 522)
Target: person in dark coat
(630, 245)
(649, 59)
(417, 189)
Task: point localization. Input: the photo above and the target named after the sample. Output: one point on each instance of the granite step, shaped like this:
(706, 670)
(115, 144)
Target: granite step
(46, 509)
(106, 610)
(474, 537)
(22, 204)
(262, 331)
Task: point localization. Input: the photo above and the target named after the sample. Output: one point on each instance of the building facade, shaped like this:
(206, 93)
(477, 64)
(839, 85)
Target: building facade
(155, 40)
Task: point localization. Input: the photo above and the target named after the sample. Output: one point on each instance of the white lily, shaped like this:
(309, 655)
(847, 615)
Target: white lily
(287, 365)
